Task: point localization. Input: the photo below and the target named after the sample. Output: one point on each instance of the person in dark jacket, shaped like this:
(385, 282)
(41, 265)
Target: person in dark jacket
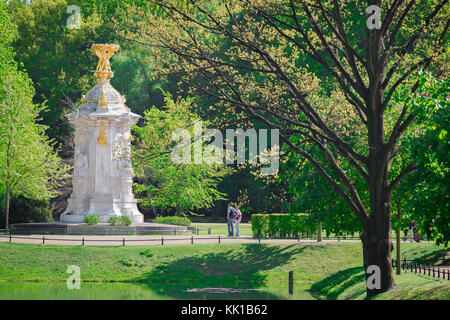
(230, 219)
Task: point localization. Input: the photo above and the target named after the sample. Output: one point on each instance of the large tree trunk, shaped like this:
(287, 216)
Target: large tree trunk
(8, 195)
(377, 246)
(319, 232)
(398, 258)
(8, 179)
(378, 253)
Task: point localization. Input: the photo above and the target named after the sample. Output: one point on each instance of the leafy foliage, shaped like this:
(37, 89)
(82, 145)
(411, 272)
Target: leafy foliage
(179, 221)
(278, 225)
(163, 183)
(311, 194)
(27, 210)
(60, 61)
(120, 221)
(92, 219)
(426, 192)
(29, 165)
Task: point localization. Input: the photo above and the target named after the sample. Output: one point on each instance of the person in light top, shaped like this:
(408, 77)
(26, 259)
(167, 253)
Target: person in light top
(237, 220)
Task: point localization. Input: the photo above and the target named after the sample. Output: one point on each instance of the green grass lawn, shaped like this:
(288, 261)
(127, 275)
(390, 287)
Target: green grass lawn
(349, 284)
(245, 229)
(332, 271)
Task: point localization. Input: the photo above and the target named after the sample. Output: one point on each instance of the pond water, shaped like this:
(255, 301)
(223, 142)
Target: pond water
(151, 291)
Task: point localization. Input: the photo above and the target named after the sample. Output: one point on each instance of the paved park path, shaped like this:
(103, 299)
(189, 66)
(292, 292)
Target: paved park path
(149, 240)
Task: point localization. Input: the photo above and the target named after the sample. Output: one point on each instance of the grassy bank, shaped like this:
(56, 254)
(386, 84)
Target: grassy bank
(245, 229)
(349, 284)
(333, 271)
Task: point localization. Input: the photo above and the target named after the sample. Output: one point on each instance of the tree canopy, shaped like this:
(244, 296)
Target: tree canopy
(254, 59)
(163, 183)
(29, 164)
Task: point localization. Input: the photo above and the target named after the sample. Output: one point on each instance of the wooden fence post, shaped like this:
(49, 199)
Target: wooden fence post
(291, 282)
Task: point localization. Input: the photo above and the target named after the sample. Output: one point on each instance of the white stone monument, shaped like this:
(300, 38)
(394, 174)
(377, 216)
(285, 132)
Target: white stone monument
(103, 176)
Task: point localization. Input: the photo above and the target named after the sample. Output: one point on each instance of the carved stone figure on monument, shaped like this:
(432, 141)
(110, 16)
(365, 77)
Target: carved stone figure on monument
(122, 154)
(81, 165)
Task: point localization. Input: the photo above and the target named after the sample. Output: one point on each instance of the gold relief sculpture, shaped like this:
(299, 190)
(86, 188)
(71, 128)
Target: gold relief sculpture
(102, 138)
(103, 72)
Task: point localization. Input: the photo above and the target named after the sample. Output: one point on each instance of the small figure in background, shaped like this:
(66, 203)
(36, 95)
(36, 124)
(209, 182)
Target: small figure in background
(237, 220)
(410, 235)
(417, 236)
(230, 219)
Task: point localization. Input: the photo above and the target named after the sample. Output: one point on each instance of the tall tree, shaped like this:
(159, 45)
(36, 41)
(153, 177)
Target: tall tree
(163, 183)
(28, 164)
(265, 74)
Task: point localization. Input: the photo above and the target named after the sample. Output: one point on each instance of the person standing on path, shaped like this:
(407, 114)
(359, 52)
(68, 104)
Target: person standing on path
(410, 231)
(237, 220)
(230, 218)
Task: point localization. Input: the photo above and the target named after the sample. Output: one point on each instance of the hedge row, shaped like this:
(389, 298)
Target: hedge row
(180, 221)
(278, 225)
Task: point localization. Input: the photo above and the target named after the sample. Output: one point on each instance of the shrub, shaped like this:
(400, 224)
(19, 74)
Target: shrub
(180, 221)
(23, 210)
(120, 221)
(126, 221)
(92, 219)
(277, 225)
(115, 221)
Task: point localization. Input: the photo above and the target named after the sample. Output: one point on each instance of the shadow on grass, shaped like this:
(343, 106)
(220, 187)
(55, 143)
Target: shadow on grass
(334, 285)
(193, 277)
(433, 258)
